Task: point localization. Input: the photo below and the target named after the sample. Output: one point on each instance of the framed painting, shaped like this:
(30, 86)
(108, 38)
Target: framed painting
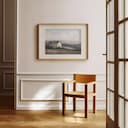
(62, 41)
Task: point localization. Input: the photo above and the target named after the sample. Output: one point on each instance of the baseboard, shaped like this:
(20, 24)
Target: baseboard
(100, 105)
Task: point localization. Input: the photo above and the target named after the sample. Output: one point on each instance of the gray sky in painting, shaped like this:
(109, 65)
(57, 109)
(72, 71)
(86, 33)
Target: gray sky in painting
(63, 34)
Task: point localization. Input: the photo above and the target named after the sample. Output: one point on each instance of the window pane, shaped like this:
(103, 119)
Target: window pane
(126, 8)
(108, 86)
(108, 18)
(126, 39)
(121, 78)
(126, 81)
(121, 41)
(111, 76)
(121, 113)
(111, 105)
(108, 45)
(111, 47)
(108, 103)
(126, 114)
(111, 14)
(121, 9)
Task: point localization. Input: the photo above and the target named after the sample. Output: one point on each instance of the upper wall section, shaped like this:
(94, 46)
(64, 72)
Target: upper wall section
(33, 12)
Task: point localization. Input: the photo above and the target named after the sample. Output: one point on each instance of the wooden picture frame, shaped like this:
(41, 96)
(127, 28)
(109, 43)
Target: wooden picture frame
(62, 41)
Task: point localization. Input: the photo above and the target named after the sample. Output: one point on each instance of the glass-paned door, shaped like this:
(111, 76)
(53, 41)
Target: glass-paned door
(110, 63)
(117, 63)
(123, 63)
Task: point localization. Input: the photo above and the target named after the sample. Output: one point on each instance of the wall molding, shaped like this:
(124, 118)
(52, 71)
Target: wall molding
(7, 67)
(100, 77)
(3, 55)
(7, 94)
(23, 99)
(4, 81)
(56, 73)
(4, 60)
(40, 73)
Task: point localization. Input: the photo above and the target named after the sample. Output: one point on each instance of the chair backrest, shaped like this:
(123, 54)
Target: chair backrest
(84, 78)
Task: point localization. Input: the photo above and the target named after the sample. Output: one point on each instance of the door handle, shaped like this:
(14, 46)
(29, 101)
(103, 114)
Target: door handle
(104, 54)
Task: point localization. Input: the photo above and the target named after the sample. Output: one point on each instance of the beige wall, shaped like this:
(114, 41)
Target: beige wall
(33, 12)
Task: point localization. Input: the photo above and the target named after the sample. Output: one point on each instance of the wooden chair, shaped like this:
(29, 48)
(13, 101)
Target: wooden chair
(87, 80)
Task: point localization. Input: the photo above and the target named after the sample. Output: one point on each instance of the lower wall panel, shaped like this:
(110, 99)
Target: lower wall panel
(44, 92)
(39, 89)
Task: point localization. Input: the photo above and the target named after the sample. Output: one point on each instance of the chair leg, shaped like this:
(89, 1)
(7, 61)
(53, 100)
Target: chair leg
(74, 104)
(86, 102)
(74, 99)
(94, 98)
(63, 99)
(63, 105)
(94, 104)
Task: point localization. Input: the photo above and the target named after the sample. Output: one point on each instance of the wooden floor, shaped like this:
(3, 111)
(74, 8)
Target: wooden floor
(50, 119)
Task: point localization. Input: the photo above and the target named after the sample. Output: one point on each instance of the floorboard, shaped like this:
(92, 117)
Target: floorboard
(50, 119)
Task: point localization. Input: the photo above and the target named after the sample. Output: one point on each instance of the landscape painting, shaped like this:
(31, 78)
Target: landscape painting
(62, 41)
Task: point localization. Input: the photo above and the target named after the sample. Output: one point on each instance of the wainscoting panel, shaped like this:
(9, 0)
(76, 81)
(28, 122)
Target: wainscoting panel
(44, 91)
(41, 90)
(8, 80)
